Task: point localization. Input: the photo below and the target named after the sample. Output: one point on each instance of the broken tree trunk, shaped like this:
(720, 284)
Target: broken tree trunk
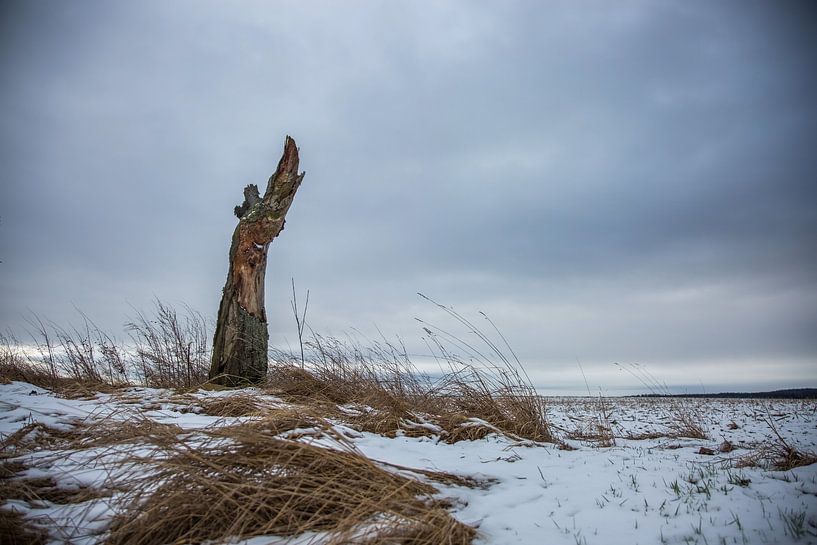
(240, 341)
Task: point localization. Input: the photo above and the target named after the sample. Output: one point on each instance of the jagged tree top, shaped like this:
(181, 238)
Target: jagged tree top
(281, 187)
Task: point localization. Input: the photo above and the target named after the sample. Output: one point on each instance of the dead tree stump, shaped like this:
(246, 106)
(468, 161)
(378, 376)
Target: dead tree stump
(240, 341)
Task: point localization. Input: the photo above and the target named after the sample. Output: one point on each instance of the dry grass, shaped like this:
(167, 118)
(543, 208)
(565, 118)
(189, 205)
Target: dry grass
(172, 350)
(246, 481)
(594, 433)
(458, 427)
(785, 457)
(46, 489)
(297, 385)
(39, 491)
(240, 481)
(391, 397)
(641, 436)
(394, 401)
(687, 419)
(118, 430)
(292, 422)
(501, 398)
(17, 530)
(777, 454)
(115, 429)
(15, 366)
(37, 435)
(387, 422)
(233, 406)
(595, 429)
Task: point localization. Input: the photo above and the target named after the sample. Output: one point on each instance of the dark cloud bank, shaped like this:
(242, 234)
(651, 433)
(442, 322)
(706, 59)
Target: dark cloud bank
(615, 184)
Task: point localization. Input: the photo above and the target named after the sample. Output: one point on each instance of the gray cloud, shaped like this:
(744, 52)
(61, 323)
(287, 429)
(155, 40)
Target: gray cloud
(633, 184)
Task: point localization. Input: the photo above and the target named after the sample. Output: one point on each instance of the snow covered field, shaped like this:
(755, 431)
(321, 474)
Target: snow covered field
(641, 485)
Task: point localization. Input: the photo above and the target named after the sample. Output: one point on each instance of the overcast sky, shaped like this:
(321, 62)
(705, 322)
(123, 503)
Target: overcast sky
(630, 182)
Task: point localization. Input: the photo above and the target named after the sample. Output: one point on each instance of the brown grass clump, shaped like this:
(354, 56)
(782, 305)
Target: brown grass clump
(136, 429)
(37, 435)
(488, 384)
(389, 421)
(502, 398)
(256, 483)
(172, 347)
(13, 368)
(595, 432)
(687, 420)
(16, 366)
(777, 454)
(435, 526)
(233, 406)
(458, 427)
(785, 457)
(169, 349)
(11, 468)
(14, 527)
(298, 385)
(390, 399)
(46, 489)
(17, 530)
(383, 422)
(276, 422)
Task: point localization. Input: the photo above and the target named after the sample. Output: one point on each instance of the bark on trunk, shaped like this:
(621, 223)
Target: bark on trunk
(240, 341)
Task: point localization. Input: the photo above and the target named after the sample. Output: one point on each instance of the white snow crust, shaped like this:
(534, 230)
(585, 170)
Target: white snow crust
(638, 491)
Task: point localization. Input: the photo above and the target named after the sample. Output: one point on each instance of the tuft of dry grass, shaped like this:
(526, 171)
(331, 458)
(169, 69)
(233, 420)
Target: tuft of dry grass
(233, 406)
(36, 492)
(10, 468)
(17, 530)
(503, 399)
(172, 347)
(595, 434)
(434, 526)
(777, 454)
(786, 457)
(384, 422)
(467, 404)
(393, 397)
(46, 489)
(247, 481)
(597, 430)
(14, 365)
(37, 435)
(687, 419)
(458, 427)
(298, 385)
(118, 430)
(289, 422)
(488, 385)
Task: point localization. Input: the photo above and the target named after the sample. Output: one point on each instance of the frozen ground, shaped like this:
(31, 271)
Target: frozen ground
(646, 487)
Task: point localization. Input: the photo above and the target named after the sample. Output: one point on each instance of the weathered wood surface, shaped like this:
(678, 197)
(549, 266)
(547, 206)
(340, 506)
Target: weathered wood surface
(240, 341)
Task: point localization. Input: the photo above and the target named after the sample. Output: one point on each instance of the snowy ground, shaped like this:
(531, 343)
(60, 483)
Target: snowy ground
(636, 491)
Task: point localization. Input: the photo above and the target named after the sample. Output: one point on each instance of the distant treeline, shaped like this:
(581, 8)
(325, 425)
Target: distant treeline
(791, 393)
